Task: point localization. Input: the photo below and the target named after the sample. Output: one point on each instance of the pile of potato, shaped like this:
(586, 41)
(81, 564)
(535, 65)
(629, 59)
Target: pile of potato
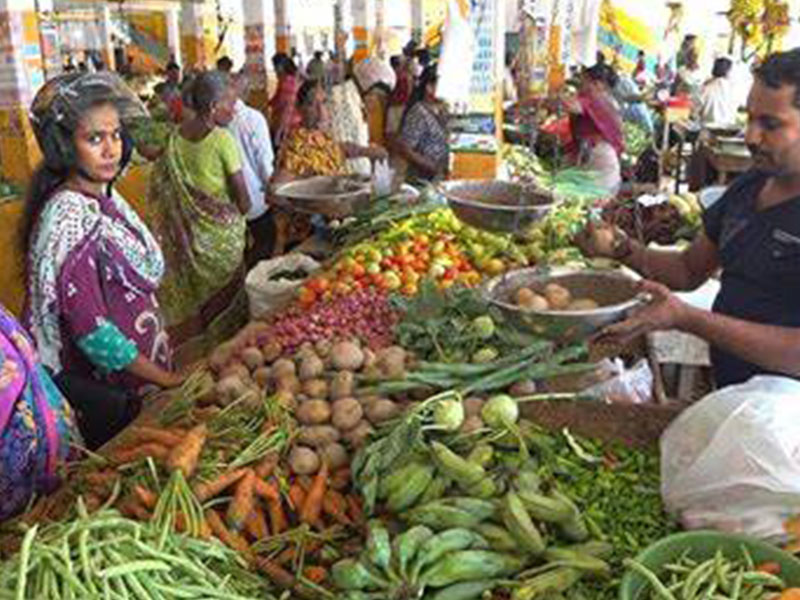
(319, 385)
(554, 297)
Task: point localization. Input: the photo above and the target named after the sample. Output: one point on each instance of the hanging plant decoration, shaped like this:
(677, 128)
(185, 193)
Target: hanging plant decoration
(775, 22)
(745, 17)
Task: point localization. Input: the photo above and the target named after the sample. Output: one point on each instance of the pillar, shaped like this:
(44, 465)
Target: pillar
(381, 39)
(198, 34)
(363, 23)
(283, 41)
(21, 75)
(106, 47)
(417, 19)
(260, 43)
(174, 33)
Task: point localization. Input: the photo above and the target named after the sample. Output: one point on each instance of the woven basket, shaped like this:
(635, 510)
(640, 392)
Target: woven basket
(635, 425)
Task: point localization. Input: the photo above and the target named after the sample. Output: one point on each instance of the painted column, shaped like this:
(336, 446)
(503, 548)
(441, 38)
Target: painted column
(283, 41)
(106, 47)
(198, 34)
(174, 34)
(21, 75)
(363, 22)
(259, 25)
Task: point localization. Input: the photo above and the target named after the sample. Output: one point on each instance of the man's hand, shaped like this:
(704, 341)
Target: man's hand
(664, 312)
(375, 152)
(600, 240)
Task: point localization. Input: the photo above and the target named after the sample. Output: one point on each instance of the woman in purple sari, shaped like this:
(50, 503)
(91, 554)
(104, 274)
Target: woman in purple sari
(93, 266)
(36, 424)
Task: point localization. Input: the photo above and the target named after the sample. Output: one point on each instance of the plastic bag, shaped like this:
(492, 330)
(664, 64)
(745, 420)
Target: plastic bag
(625, 386)
(732, 461)
(382, 178)
(458, 51)
(265, 293)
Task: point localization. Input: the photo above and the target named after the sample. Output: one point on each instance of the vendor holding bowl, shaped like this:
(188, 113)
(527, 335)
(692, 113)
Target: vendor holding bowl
(752, 234)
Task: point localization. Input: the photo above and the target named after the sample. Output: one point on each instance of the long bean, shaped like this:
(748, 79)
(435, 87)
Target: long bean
(25, 556)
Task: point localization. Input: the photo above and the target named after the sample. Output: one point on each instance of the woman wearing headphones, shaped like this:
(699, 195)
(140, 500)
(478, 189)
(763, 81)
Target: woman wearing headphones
(92, 266)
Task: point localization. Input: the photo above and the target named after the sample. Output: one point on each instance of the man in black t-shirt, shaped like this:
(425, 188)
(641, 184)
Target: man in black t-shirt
(752, 234)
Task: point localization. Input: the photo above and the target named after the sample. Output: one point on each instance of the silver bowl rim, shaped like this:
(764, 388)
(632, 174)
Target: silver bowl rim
(561, 272)
(444, 190)
(284, 190)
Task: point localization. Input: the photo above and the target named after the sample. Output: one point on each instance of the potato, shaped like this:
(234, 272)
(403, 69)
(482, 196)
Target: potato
(316, 388)
(347, 413)
(220, 357)
(357, 436)
(347, 356)
(382, 410)
(530, 300)
(286, 399)
(262, 376)
(558, 297)
(311, 367)
(342, 385)
(235, 369)
(472, 424)
(271, 351)
(526, 387)
(370, 359)
(283, 367)
(335, 455)
(314, 412)
(304, 461)
(392, 362)
(603, 240)
(583, 304)
(252, 357)
(288, 383)
(318, 436)
(473, 406)
(323, 348)
(229, 389)
(365, 401)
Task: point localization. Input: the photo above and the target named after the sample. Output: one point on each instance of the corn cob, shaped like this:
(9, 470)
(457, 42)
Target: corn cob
(350, 574)
(519, 524)
(439, 516)
(498, 537)
(468, 590)
(545, 509)
(444, 543)
(378, 549)
(397, 479)
(435, 490)
(406, 546)
(461, 471)
(555, 581)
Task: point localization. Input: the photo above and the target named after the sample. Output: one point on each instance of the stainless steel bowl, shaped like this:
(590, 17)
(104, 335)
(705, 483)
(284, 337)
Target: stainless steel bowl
(497, 205)
(335, 197)
(615, 292)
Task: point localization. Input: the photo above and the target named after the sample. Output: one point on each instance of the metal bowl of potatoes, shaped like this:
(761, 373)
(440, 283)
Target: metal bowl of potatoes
(565, 305)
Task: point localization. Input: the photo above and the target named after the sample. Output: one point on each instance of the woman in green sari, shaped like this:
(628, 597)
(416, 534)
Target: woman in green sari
(197, 210)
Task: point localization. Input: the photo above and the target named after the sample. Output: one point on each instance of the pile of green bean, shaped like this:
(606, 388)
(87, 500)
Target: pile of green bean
(104, 555)
(720, 577)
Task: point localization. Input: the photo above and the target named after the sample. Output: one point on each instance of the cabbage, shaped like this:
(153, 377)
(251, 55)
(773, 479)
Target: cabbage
(449, 414)
(499, 411)
(483, 326)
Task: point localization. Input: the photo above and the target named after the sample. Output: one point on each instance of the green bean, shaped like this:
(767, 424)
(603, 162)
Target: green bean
(134, 566)
(657, 585)
(697, 578)
(25, 556)
(736, 589)
(763, 579)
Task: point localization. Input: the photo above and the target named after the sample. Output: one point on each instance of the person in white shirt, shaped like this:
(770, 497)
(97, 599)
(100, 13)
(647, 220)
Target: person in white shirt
(249, 128)
(718, 97)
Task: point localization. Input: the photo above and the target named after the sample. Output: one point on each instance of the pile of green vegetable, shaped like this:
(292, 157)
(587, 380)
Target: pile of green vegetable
(105, 555)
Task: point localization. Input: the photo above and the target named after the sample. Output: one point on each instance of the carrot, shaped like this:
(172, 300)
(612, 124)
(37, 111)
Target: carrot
(305, 482)
(297, 496)
(145, 496)
(340, 479)
(315, 574)
(242, 504)
(185, 455)
(229, 538)
(277, 518)
(92, 501)
(267, 465)
(335, 505)
(130, 506)
(355, 509)
(154, 434)
(268, 491)
(256, 524)
(128, 455)
(214, 487)
(772, 568)
(276, 573)
(312, 507)
(290, 554)
(790, 594)
(205, 529)
(101, 478)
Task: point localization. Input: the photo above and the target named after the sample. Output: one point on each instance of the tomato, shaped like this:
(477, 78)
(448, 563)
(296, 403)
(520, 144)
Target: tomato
(423, 239)
(306, 296)
(393, 281)
(358, 270)
(451, 273)
(410, 289)
(446, 283)
(318, 284)
(341, 288)
(420, 266)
